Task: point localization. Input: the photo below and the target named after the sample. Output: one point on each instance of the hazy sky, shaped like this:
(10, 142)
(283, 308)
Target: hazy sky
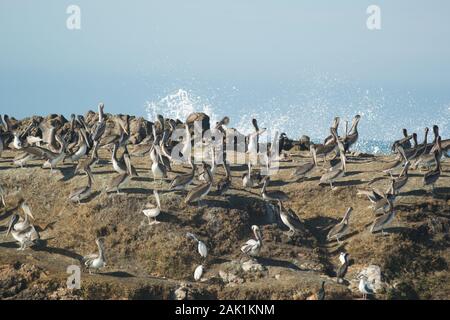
(238, 54)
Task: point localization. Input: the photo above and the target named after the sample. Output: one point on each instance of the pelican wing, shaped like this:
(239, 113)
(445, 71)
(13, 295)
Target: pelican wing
(380, 222)
(303, 169)
(40, 152)
(77, 192)
(181, 180)
(249, 245)
(197, 192)
(337, 230)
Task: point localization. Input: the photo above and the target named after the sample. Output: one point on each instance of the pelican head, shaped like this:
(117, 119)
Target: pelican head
(26, 209)
(257, 232)
(405, 132)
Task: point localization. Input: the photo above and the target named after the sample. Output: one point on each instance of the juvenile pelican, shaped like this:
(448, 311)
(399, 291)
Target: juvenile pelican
(82, 193)
(200, 191)
(330, 138)
(201, 246)
(340, 229)
(158, 169)
(24, 223)
(290, 219)
(273, 195)
(224, 184)
(353, 135)
(151, 210)
(382, 222)
(301, 171)
(401, 180)
(373, 195)
(118, 164)
(117, 181)
(253, 246)
(249, 179)
(385, 204)
(26, 237)
(96, 261)
(335, 172)
(83, 147)
(432, 176)
(181, 181)
(86, 164)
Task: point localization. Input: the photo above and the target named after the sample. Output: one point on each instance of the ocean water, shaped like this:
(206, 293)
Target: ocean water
(312, 115)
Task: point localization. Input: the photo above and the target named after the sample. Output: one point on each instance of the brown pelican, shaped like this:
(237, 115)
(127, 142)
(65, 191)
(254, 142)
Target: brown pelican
(203, 175)
(364, 287)
(340, 229)
(99, 128)
(83, 145)
(117, 181)
(335, 126)
(426, 160)
(52, 159)
(27, 236)
(151, 210)
(86, 164)
(342, 270)
(127, 159)
(224, 184)
(96, 261)
(336, 171)
(397, 162)
(186, 149)
(290, 219)
(301, 171)
(406, 143)
(201, 246)
(373, 195)
(385, 204)
(201, 190)
(253, 246)
(82, 193)
(432, 176)
(142, 148)
(401, 180)
(273, 195)
(249, 179)
(352, 136)
(158, 169)
(118, 164)
(383, 221)
(180, 182)
(21, 159)
(422, 148)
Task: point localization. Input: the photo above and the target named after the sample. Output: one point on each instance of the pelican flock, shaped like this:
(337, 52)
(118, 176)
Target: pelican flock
(83, 141)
